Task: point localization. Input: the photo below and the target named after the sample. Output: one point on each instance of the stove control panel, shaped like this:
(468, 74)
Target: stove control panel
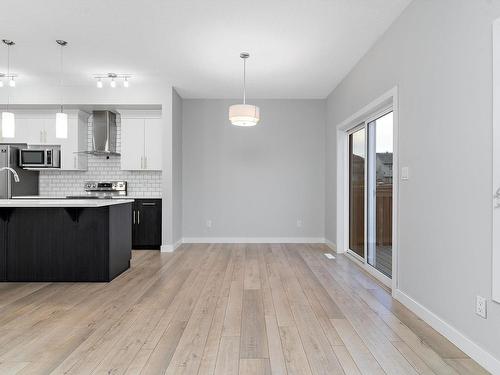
(113, 187)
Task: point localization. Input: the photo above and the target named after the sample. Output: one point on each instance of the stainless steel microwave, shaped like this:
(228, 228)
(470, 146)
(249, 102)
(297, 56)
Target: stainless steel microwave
(40, 158)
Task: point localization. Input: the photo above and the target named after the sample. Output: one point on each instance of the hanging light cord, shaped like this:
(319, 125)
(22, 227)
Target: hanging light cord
(61, 78)
(8, 60)
(244, 80)
(8, 74)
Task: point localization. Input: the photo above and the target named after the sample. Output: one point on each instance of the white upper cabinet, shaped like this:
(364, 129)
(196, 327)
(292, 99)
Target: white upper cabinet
(153, 143)
(141, 141)
(77, 141)
(37, 128)
(132, 144)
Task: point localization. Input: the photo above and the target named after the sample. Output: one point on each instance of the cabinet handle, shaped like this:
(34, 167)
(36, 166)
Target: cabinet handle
(134, 215)
(74, 162)
(149, 204)
(41, 136)
(138, 217)
(142, 162)
(145, 162)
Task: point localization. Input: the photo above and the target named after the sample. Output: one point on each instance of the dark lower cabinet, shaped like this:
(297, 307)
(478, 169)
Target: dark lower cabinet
(64, 244)
(146, 224)
(3, 244)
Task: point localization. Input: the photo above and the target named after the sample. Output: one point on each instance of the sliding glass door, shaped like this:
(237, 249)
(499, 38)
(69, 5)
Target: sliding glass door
(370, 192)
(357, 163)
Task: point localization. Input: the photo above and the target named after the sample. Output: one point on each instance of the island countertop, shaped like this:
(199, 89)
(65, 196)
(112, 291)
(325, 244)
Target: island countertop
(5, 203)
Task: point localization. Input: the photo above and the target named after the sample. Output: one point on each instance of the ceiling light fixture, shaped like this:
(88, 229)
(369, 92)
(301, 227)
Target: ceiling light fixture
(61, 117)
(244, 114)
(8, 118)
(112, 77)
(8, 77)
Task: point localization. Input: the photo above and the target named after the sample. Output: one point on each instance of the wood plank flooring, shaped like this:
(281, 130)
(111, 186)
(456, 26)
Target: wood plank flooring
(221, 309)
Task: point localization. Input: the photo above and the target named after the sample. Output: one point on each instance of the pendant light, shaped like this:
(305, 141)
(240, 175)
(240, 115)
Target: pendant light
(244, 114)
(8, 118)
(61, 117)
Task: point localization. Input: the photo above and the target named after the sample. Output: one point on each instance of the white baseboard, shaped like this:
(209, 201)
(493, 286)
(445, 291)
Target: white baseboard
(168, 248)
(253, 240)
(470, 348)
(331, 245)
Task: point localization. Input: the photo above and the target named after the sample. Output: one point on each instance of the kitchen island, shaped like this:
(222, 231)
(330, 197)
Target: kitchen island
(71, 240)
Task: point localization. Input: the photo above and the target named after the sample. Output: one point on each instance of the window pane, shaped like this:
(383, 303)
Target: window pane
(357, 192)
(380, 199)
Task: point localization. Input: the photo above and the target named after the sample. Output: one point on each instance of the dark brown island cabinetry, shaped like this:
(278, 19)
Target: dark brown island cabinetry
(43, 244)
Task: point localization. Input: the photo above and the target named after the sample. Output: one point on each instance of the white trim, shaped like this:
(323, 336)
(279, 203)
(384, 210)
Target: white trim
(353, 257)
(331, 245)
(375, 108)
(495, 212)
(253, 240)
(169, 248)
(465, 344)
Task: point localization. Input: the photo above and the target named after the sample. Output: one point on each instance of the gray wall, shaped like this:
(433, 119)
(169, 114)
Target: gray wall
(439, 54)
(254, 182)
(176, 167)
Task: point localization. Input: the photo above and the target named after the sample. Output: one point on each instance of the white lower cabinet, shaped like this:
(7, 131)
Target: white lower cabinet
(141, 141)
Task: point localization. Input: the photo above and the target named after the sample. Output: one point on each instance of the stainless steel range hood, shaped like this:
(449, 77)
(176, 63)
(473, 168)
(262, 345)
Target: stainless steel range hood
(103, 134)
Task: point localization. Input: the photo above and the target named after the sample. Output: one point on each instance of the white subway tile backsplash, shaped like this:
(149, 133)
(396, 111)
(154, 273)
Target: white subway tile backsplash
(140, 183)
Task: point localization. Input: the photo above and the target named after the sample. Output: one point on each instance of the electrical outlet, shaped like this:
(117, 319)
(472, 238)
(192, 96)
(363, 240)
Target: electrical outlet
(299, 223)
(209, 223)
(481, 306)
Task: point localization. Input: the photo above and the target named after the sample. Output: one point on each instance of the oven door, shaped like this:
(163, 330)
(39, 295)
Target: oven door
(33, 158)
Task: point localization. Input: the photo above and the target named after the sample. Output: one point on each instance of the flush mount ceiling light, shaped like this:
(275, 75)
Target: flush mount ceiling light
(61, 117)
(112, 77)
(244, 114)
(8, 118)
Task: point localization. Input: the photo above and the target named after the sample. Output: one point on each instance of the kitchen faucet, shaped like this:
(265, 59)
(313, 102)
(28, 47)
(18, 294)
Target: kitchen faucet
(14, 173)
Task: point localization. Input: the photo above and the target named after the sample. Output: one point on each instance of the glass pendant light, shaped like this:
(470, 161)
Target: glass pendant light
(244, 114)
(8, 118)
(61, 117)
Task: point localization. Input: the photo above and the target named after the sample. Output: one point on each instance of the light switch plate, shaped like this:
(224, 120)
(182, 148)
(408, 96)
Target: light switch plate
(405, 173)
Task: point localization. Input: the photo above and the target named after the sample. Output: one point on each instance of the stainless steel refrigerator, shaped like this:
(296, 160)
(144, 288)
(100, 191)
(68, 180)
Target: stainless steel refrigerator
(28, 180)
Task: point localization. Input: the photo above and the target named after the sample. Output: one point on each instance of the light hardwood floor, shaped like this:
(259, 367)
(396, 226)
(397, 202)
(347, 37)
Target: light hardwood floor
(221, 309)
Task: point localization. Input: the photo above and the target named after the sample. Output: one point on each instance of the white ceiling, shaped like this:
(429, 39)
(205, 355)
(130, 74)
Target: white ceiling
(299, 48)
